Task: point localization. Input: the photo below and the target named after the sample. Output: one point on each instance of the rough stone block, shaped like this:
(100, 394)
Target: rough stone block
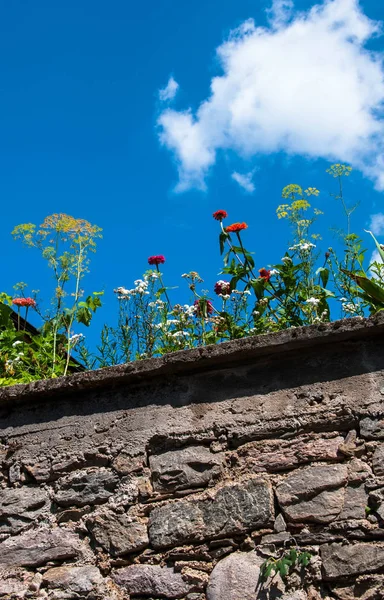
(235, 577)
(39, 546)
(152, 580)
(372, 429)
(280, 455)
(234, 509)
(85, 487)
(378, 461)
(355, 502)
(118, 534)
(341, 561)
(194, 466)
(73, 580)
(19, 507)
(314, 494)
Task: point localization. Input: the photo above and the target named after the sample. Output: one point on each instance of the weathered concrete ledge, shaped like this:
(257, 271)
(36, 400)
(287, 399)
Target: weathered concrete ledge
(177, 478)
(199, 359)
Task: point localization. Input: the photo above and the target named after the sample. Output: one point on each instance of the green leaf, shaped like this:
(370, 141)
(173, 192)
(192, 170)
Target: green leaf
(373, 289)
(258, 286)
(222, 239)
(324, 275)
(282, 568)
(304, 558)
(379, 248)
(5, 316)
(84, 315)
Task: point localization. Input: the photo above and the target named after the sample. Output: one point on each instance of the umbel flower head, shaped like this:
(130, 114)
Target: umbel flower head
(159, 259)
(222, 288)
(236, 227)
(24, 302)
(219, 215)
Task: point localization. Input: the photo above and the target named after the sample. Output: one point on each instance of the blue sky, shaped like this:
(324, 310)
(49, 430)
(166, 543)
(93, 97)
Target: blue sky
(83, 129)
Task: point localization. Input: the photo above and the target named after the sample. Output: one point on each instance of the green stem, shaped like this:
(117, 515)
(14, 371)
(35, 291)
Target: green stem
(164, 288)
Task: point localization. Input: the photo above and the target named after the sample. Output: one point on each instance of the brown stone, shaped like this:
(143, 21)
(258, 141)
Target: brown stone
(152, 580)
(355, 503)
(314, 494)
(280, 455)
(75, 580)
(378, 461)
(341, 561)
(39, 546)
(194, 466)
(118, 534)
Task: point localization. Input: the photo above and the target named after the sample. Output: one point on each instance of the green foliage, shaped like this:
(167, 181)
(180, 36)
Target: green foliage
(285, 564)
(304, 287)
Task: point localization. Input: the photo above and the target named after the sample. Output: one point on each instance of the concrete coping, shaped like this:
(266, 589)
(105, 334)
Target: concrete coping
(198, 359)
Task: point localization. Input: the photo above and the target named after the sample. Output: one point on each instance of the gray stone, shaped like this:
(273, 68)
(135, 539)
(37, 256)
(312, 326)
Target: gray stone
(85, 487)
(235, 577)
(355, 502)
(378, 461)
(118, 534)
(276, 538)
(152, 580)
(194, 466)
(19, 507)
(234, 509)
(78, 580)
(39, 546)
(280, 524)
(372, 429)
(341, 561)
(366, 587)
(314, 494)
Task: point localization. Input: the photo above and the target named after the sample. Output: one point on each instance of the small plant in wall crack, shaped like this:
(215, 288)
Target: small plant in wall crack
(288, 560)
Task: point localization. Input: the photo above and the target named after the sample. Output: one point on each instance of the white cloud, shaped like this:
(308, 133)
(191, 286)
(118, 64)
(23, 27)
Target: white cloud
(377, 224)
(280, 12)
(244, 180)
(170, 90)
(307, 86)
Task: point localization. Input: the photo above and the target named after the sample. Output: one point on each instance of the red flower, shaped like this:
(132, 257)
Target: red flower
(156, 260)
(265, 274)
(236, 227)
(222, 288)
(24, 302)
(219, 215)
(203, 307)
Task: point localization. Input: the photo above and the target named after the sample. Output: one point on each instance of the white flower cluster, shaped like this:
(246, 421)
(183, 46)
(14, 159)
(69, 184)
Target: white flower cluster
(313, 301)
(141, 289)
(189, 310)
(304, 247)
(350, 308)
(157, 304)
(75, 338)
(286, 259)
(11, 362)
(179, 334)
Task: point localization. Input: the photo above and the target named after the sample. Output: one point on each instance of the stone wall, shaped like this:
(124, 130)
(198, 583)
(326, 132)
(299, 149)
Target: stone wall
(179, 477)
